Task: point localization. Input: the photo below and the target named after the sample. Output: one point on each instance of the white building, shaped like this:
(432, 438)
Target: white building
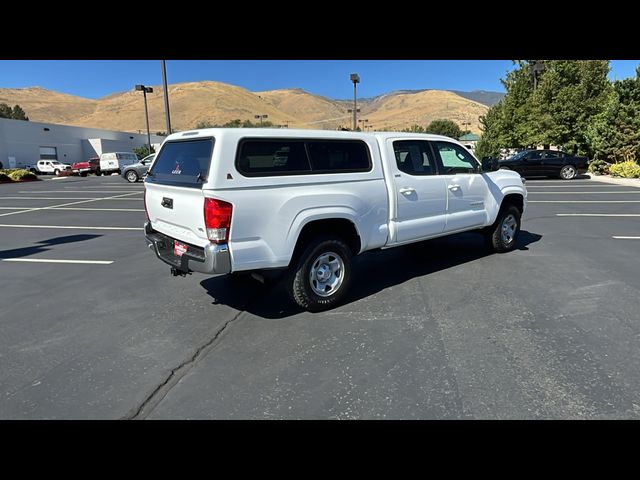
(23, 143)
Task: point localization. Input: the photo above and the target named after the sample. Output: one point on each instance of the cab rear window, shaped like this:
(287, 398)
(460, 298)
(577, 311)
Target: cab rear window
(183, 163)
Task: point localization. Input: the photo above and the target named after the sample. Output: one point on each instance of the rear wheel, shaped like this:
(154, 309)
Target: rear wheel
(132, 176)
(502, 236)
(568, 172)
(320, 275)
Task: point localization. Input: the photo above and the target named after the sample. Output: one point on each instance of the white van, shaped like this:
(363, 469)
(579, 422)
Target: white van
(116, 162)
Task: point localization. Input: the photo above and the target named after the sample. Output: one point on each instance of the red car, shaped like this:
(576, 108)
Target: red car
(90, 166)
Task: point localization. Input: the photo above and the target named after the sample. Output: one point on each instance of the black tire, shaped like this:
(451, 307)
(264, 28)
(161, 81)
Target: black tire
(299, 283)
(56, 172)
(568, 172)
(500, 238)
(34, 171)
(131, 176)
(83, 174)
(98, 173)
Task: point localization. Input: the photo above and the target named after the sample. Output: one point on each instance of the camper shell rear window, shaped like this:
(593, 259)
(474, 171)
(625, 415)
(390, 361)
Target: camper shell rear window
(183, 163)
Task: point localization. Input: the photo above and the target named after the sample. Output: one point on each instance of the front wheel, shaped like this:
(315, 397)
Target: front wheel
(132, 176)
(321, 274)
(503, 234)
(568, 172)
(56, 172)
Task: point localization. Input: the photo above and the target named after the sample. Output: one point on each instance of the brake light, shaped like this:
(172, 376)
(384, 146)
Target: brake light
(217, 219)
(146, 212)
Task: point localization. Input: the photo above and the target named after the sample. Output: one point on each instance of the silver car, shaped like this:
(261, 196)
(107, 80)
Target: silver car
(135, 172)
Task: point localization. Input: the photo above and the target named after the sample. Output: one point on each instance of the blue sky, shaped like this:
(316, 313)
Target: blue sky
(97, 78)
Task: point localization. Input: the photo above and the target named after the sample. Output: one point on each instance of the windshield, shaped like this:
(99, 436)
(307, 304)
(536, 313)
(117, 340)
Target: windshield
(518, 155)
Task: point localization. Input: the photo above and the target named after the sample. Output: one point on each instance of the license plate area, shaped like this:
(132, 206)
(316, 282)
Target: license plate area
(179, 248)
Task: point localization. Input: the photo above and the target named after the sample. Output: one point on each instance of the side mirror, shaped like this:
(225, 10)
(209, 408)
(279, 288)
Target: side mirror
(490, 164)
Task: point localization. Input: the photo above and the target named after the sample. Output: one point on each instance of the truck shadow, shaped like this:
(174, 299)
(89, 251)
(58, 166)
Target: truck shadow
(372, 273)
(43, 245)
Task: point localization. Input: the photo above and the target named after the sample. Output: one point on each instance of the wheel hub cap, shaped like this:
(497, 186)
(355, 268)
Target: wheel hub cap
(326, 274)
(509, 226)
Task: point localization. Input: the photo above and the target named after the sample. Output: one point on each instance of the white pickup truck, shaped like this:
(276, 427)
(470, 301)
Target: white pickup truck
(228, 200)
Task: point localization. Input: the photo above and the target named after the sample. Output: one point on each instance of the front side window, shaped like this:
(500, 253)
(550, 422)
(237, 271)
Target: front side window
(414, 157)
(455, 159)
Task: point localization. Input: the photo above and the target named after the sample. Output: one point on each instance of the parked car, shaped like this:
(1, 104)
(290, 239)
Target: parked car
(115, 162)
(220, 201)
(135, 172)
(546, 163)
(51, 166)
(90, 166)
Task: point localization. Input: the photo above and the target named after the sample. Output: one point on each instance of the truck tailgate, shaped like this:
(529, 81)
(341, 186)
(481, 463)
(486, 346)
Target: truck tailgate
(178, 212)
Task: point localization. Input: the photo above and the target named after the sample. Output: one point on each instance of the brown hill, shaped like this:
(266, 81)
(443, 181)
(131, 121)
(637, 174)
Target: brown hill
(217, 103)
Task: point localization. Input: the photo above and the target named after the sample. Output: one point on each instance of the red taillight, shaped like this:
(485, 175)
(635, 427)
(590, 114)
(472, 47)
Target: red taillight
(217, 219)
(146, 212)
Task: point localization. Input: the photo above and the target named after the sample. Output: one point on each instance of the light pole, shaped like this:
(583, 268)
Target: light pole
(355, 78)
(261, 117)
(166, 97)
(146, 90)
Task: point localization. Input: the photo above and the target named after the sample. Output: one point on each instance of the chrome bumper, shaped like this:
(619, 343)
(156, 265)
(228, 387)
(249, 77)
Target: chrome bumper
(213, 259)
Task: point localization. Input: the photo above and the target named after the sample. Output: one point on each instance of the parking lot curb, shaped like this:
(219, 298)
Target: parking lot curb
(628, 182)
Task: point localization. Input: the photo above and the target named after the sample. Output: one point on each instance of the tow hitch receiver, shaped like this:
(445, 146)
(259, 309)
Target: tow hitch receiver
(177, 272)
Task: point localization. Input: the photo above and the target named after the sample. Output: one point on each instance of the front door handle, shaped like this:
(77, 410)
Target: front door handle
(453, 188)
(407, 190)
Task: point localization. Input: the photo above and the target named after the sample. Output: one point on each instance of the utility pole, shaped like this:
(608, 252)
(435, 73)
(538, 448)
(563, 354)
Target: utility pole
(355, 78)
(166, 97)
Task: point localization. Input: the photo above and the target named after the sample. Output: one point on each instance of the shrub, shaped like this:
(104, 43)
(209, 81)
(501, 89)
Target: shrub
(599, 167)
(4, 177)
(628, 169)
(16, 175)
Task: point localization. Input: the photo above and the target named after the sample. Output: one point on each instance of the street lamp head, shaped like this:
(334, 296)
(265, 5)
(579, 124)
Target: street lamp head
(139, 87)
(355, 78)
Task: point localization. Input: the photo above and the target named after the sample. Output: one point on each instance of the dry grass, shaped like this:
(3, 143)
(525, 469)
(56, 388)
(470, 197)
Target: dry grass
(217, 102)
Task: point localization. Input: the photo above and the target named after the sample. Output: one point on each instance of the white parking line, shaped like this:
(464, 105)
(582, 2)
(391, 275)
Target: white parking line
(626, 238)
(583, 193)
(84, 209)
(100, 209)
(583, 201)
(42, 260)
(65, 204)
(79, 191)
(68, 198)
(597, 214)
(78, 227)
(602, 185)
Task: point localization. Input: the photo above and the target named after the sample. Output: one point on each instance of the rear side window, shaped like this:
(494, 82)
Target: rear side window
(261, 158)
(266, 157)
(414, 157)
(184, 163)
(339, 156)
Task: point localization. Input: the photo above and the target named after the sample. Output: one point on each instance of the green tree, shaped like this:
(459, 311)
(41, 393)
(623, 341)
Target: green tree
(491, 126)
(570, 96)
(415, 128)
(5, 111)
(19, 114)
(447, 128)
(143, 151)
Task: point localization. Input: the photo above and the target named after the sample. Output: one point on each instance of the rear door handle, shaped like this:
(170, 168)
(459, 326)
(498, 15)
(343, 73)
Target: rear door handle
(407, 190)
(454, 187)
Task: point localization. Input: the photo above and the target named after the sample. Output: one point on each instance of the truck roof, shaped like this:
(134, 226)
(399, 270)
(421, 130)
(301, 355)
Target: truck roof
(295, 133)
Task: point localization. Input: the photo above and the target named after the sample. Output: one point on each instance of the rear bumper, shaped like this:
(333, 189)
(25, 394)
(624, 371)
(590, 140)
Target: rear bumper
(213, 259)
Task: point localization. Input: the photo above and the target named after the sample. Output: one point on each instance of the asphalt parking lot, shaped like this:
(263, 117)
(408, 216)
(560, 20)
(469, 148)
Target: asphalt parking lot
(93, 325)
